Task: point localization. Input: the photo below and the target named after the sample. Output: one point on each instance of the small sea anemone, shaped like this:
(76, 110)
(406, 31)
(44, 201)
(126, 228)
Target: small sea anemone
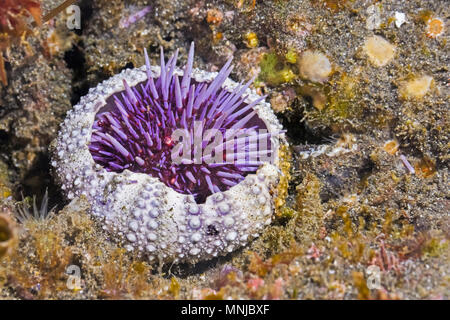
(391, 146)
(415, 88)
(379, 50)
(25, 212)
(180, 164)
(315, 66)
(435, 27)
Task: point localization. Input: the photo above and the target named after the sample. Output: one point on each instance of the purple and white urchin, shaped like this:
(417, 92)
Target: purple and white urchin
(179, 164)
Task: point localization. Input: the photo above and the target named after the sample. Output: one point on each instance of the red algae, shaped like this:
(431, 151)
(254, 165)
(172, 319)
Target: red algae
(13, 24)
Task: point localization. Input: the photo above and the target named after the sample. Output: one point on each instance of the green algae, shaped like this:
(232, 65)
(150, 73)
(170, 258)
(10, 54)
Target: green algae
(274, 71)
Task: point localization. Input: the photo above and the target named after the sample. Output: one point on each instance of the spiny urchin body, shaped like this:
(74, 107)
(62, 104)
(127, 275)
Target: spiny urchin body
(140, 147)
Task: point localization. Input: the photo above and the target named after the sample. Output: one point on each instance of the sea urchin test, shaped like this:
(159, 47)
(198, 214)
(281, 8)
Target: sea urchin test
(179, 164)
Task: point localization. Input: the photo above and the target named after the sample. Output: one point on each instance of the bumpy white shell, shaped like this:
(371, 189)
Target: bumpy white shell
(144, 214)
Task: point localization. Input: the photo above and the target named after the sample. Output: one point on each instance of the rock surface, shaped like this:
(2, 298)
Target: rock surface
(353, 205)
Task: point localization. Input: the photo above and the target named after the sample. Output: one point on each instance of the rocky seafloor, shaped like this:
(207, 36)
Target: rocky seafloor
(362, 88)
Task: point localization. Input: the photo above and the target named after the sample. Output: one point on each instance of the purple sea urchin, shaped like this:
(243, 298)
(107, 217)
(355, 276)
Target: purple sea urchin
(137, 132)
(180, 164)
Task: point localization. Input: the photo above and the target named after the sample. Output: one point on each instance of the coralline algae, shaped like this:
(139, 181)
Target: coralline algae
(182, 212)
